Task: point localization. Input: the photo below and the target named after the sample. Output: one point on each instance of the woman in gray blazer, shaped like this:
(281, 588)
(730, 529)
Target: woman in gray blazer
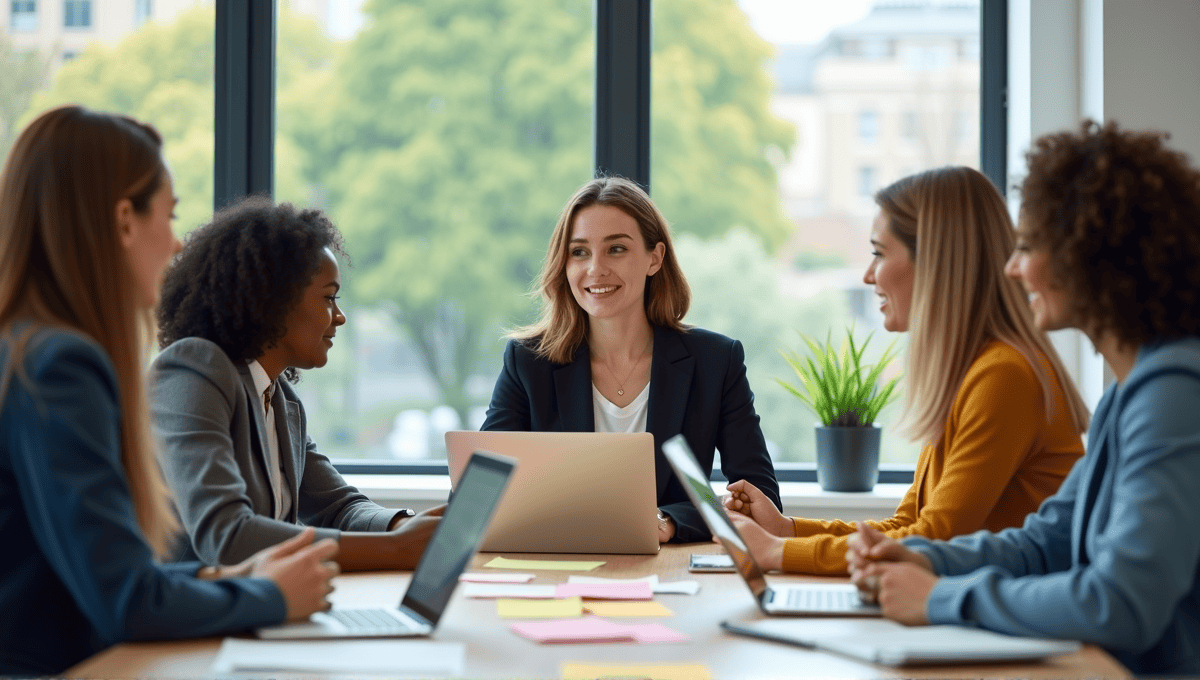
(251, 299)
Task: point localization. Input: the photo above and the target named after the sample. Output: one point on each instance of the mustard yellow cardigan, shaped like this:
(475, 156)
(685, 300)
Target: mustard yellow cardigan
(997, 460)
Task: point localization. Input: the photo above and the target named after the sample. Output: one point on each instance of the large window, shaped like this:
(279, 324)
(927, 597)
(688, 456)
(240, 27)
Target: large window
(159, 72)
(442, 137)
(774, 122)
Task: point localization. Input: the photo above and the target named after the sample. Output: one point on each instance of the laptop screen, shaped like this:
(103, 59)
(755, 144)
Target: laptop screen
(695, 482)
(458, 534)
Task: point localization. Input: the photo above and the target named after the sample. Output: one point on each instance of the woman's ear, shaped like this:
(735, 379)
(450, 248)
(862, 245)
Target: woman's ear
(124, 222)
(656, 258)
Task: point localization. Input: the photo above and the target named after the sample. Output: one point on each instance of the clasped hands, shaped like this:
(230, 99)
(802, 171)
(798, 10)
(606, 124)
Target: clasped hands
(888, 573)
(884, 571)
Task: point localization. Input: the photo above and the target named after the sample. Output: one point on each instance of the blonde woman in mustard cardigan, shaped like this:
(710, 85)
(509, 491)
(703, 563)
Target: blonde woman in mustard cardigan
(986, 392)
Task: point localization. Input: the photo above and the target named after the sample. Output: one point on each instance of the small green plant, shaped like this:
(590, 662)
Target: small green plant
(840, 389)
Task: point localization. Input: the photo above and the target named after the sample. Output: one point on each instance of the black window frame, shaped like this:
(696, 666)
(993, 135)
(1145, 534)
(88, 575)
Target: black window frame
(245, 128)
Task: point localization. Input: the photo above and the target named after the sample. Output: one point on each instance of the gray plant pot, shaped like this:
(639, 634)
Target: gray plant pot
(847, 458)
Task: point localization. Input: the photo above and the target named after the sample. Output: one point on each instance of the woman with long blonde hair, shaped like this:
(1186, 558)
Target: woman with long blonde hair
(1107, 244)
(987, 393)
(86, 204)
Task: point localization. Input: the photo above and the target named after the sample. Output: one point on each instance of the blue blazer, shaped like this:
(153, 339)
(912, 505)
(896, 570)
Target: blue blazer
(77, 574)
(698, 388)
(1113, 558)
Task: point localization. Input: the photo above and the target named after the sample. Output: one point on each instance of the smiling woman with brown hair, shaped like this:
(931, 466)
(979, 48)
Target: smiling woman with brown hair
(611, 352)
(250, 301)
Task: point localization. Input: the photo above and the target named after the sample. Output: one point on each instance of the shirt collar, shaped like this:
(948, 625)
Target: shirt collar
(259, 375)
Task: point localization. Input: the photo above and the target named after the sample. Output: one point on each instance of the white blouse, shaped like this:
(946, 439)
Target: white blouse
(613, 418)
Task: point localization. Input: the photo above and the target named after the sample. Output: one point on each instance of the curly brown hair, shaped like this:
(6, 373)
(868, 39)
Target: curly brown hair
(239, 276)
(1119, 215)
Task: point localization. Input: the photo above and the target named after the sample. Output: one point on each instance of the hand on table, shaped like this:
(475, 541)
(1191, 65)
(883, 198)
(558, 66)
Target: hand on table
(666, 527)
(302, 570)
(747, 499)
(766, 548)
(886, 572)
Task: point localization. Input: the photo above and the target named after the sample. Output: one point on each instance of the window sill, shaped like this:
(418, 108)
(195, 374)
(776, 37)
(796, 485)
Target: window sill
(800, 499)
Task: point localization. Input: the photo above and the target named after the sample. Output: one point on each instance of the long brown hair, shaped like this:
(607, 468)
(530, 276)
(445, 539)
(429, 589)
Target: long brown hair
(563, 324)
(958, 230)
(62, 266)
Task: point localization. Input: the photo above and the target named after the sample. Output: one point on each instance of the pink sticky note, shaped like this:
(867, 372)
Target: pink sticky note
(655, 632)
(586, 629)
(606, 591)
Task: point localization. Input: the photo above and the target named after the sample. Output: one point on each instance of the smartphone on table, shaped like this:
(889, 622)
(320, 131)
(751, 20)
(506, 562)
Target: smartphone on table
(718, 563)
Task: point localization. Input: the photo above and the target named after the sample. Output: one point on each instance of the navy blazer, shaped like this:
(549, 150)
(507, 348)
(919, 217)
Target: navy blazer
(698, 388)
(77, 574)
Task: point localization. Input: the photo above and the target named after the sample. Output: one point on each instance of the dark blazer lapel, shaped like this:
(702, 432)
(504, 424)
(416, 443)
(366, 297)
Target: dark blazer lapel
(573, 387)
(254, 403)
(291, 445)
(670, 384)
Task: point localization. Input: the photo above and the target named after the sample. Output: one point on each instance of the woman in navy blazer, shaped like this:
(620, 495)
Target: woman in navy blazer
(1108, 243)
(611, 354)
(86, 205)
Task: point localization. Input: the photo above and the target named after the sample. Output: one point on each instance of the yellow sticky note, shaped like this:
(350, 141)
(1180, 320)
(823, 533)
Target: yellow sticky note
(556, 565)
(677, 671)
(539, 609)
(629, 609)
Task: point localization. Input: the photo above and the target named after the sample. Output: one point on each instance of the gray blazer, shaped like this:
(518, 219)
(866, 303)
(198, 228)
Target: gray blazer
(205, 413)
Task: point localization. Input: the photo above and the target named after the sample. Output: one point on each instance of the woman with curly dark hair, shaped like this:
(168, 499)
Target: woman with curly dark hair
(251, 299)
(1109, 244)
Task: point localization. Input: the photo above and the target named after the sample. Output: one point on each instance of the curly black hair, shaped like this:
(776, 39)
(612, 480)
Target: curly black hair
(239, 276)
(1119, 214)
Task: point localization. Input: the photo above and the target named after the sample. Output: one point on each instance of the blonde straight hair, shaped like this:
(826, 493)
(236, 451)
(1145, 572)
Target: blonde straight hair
(62, 266)
(563, 324)
(959, 233)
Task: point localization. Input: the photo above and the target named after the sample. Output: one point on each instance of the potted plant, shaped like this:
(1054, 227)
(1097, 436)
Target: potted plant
(847, 396)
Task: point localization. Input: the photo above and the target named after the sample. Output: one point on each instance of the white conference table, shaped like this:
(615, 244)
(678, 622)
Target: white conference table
(493, 651)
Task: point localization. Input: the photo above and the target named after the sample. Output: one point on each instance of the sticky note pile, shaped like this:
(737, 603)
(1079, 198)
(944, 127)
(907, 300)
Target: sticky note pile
(566, 603)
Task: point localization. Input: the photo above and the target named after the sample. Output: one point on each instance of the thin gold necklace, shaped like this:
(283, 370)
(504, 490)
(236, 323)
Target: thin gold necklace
(621, 383)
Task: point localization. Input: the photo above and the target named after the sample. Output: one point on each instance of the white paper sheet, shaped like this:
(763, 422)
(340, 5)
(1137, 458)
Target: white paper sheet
(404, 657)
(497, 590)
(659, 588)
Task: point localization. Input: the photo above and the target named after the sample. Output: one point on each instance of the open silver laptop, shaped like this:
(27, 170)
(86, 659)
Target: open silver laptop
(446, 556)
(811, 599)
(573, 492)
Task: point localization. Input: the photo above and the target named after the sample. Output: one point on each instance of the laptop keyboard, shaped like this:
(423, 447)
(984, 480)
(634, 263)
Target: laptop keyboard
(374, 621)
(804, 599)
